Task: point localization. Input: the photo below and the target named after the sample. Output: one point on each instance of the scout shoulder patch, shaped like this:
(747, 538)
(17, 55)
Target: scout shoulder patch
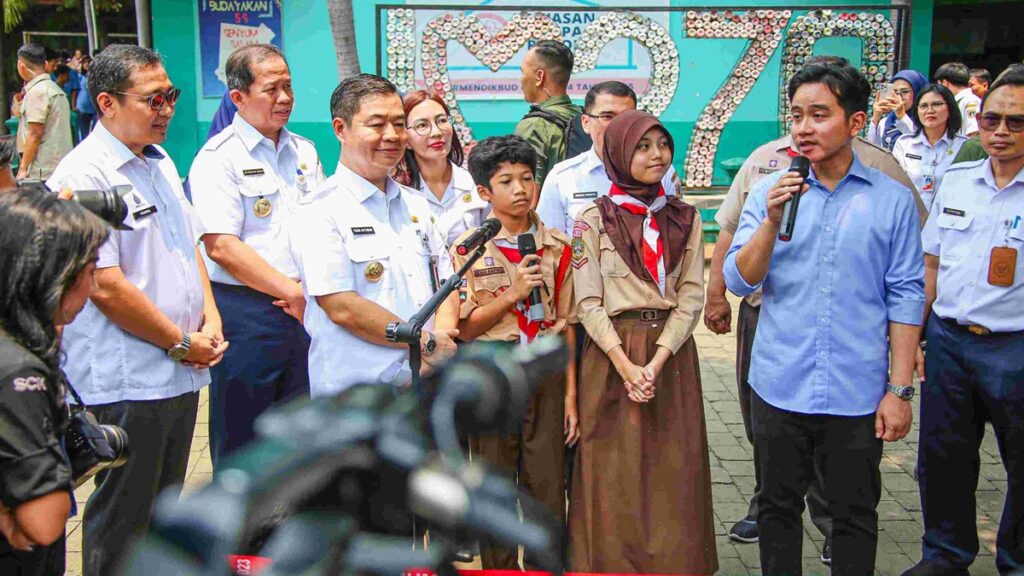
(578, 228)
(578, 259)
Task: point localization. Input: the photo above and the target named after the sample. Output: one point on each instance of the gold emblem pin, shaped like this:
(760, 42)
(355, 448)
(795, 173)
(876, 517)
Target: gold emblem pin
(302, 167)
(415, 219)
(467, 198)
(262, 208)
(374, 270)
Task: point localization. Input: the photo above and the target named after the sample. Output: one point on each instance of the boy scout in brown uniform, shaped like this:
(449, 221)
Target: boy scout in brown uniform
(494, 300)
(768, 159)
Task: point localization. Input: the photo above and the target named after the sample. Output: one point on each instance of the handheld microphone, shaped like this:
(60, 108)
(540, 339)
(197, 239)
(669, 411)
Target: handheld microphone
(803, 166)
(488, 229)
(528, 246)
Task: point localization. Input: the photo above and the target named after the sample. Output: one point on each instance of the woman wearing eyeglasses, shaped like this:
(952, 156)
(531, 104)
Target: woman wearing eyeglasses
(432, 166)
(926, 154)
(891, 117)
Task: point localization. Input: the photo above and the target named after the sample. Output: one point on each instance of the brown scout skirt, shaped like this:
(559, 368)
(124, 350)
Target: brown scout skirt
(641, 489)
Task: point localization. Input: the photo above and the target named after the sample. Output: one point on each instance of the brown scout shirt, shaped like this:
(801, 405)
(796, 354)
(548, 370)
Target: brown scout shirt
(493, 274)
(605, 286)
(774, 156)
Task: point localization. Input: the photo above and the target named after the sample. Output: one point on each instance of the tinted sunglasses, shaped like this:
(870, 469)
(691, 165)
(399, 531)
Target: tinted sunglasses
(990, 121)
(158, 100)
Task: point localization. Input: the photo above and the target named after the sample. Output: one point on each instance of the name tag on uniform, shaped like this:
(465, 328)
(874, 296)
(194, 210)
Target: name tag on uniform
(253, 172)
(954, 212)
(766, 170)
(913, 156)
(488, 271)
(362, 230)
(140, 207)
(579, 195)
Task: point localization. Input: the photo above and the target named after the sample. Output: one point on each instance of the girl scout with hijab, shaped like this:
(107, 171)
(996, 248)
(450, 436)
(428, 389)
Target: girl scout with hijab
(641, 491)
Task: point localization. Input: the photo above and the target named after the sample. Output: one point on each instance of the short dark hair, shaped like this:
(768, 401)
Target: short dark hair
(6, 150)
(982, 74)
(556, 58)
(238, 68)
(611, 88)
(827, 59)
(1012, 76)
(956, 73)
(849, 86)
(955, 119)
(61, 69)
(489, 153)
(33, 54)
(112, 69)
(349, 95)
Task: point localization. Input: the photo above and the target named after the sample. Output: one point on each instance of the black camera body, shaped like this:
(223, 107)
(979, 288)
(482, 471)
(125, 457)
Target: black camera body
(93, 447)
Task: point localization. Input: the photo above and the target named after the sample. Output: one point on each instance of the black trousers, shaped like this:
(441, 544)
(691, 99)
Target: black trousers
(119, 511)
(746, 328)
(40, 561)
(848, 456)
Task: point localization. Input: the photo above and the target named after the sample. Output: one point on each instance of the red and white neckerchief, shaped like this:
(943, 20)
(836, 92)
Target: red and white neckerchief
(527, 330)
(652, 250)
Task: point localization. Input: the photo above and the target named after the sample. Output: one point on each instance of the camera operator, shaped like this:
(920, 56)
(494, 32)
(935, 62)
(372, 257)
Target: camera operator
(48, 251)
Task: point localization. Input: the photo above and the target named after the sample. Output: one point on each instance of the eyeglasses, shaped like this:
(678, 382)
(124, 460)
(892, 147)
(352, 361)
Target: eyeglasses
(990, 121)
(903, 92)
(606, 117)
(931, 106)
(422, 127)
(158, 100)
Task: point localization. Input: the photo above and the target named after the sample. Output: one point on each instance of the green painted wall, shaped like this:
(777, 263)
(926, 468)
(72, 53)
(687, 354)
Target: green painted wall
(308, 45)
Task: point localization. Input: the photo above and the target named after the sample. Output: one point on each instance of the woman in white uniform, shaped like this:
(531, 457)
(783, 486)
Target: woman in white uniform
(432, 166)
(926, 154)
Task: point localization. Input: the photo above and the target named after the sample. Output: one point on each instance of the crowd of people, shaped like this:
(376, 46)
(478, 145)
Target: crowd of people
(269, 281)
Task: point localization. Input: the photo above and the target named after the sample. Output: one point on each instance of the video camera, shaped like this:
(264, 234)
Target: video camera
(343, 481)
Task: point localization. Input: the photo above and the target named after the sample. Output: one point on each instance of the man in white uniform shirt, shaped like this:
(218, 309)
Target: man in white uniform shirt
(138, 353)
(246, 184)
(368, 250)
(957, 77)
(576, 182)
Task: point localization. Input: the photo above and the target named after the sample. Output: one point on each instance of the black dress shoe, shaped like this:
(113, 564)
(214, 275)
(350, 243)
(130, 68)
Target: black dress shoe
(926, 568)
(826, 552)
(744, 531)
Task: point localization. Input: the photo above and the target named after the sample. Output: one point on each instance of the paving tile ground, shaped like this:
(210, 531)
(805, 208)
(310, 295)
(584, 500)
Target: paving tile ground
(733, 482)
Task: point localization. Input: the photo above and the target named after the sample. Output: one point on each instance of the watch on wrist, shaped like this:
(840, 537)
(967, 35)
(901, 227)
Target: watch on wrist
(430, 345)
(180, 350)
(391, 332)
(904, 392)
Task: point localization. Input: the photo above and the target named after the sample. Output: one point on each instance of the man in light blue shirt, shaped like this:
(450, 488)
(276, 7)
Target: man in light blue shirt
(975, 343)
(851, 276)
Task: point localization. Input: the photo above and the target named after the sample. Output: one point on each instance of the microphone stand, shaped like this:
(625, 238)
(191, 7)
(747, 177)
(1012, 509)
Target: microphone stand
(411, 330)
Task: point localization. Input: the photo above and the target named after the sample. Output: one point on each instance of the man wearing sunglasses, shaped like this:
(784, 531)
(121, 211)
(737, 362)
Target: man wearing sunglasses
(140, 351)
(974, 281)
(246, 185)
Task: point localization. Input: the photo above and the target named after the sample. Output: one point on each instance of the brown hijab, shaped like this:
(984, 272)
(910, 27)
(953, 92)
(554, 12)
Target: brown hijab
(620, 141)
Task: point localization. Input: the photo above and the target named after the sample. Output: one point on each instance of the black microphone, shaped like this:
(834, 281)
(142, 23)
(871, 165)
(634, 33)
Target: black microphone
(802, 165)
(528, 246)
(488, 229)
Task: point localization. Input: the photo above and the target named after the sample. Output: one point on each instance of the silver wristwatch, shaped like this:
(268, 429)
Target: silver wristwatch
(180, 350)
(904, 392)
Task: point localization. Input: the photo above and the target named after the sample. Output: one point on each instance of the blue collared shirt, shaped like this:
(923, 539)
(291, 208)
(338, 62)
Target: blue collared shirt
(104, 362)
(854, 265)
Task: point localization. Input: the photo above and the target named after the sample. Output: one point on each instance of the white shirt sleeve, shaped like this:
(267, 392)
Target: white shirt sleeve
(326, 267)
(218, 204)
(550, 209)
(109, 254)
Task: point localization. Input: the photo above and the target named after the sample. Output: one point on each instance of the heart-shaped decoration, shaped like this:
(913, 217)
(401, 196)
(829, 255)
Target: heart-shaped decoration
(493, 50)
(649, 34)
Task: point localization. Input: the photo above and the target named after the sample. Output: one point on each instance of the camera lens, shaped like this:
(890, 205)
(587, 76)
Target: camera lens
(118, 441)
(107, 204)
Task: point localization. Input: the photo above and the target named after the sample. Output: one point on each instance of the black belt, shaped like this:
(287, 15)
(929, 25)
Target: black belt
(645, 315)
(976, 329)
